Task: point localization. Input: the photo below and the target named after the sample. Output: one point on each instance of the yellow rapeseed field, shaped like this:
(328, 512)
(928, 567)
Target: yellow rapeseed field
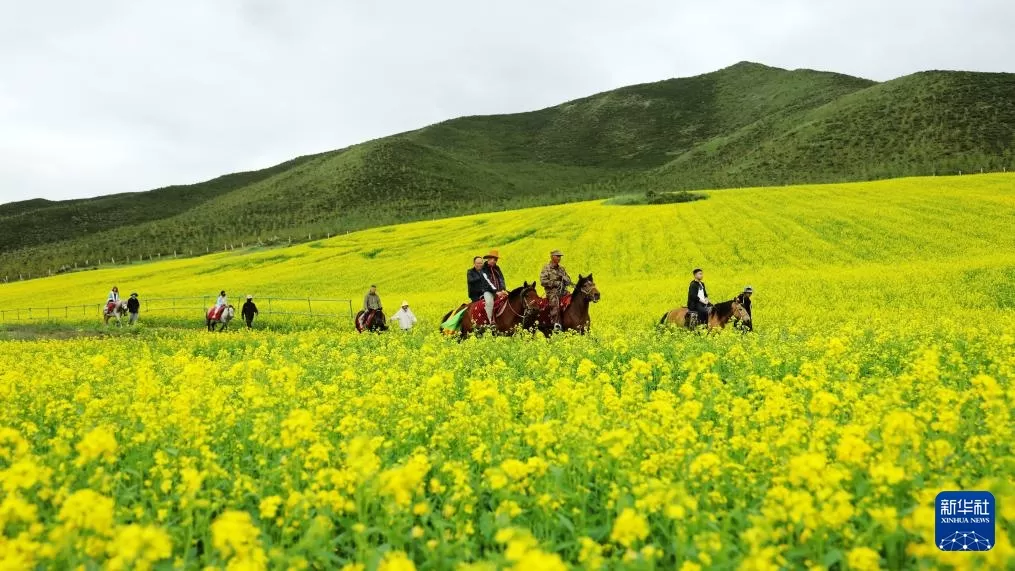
(880, 374)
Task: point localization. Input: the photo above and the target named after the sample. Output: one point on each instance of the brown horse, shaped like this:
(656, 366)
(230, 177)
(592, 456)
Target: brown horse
(717, 319)
(520, 302)
(575, 317)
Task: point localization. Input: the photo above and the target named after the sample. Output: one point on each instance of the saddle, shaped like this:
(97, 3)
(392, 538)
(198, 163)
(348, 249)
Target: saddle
(478, 310)
(216, 312)
(110, 306)
(544, 307)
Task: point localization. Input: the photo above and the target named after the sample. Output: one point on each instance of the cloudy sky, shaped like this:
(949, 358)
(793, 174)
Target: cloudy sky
(118, 96)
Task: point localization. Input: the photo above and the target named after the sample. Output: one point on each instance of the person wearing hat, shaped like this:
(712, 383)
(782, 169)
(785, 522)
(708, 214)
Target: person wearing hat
(133, 308)
(555, 282)
(404, 317)
(744, 299)
(697, 297)
(249, 310)
(495, 284)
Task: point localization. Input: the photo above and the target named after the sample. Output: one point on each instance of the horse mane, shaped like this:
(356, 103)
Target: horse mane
(723, 309)
(518, 291)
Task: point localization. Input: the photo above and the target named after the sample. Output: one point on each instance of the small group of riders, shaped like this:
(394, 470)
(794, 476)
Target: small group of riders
(115, 307)
(216, 312)
(485, 280)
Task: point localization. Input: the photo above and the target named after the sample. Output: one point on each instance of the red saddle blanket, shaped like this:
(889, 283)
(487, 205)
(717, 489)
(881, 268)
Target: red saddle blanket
(216, 312)
(544, 306)
(478, 310)
(110, 306)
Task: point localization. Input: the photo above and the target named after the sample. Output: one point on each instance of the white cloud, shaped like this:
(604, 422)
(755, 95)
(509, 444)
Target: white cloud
(124, 96)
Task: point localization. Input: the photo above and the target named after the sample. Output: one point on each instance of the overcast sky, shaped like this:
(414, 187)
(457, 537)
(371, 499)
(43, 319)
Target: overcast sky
(117, 96)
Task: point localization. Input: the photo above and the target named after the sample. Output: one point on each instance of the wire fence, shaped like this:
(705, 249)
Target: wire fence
(195, 306)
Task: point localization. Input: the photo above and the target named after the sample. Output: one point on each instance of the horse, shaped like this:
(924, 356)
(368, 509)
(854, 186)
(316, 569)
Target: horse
(227, 314)
(717, 319)
(520, 302)
(115, 309)
(371, 321)
(574, 309)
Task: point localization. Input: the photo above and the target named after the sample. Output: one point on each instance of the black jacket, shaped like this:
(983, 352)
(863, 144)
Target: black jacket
(133, 305)
(477, 283)
(692, 295)
(490, 273)
(249, 309)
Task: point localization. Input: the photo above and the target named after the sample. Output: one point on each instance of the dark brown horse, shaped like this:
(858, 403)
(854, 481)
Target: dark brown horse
(520, 302)
(717, 319)
(575, 317)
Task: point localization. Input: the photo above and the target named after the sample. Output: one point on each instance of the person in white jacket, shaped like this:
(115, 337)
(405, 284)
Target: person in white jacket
(405, 318)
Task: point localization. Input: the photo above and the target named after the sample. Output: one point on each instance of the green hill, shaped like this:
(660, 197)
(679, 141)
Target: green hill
(748, 124)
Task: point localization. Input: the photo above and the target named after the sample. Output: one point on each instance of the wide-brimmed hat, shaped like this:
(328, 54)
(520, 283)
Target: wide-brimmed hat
(556, 253)
(250, 296)
(748, 289)
(133, 294)
(405, 303)
(492, 254)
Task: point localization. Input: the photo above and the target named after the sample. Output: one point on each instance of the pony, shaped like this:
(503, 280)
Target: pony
(372, 321)
(717, 318)
(115, 309)
(508, 314)
(574, 309)
(227, 314)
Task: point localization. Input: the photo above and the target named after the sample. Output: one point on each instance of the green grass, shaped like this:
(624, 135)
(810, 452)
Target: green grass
(745, 125)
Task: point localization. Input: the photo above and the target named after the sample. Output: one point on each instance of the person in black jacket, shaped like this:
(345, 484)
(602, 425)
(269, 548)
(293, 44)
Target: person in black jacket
(494, 283)
(474, 277)
(133, 308)
(697, 297)
(248, 311)
(744, 299)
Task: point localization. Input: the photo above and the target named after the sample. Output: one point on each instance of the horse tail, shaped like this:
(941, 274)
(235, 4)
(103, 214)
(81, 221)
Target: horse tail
(663, 320)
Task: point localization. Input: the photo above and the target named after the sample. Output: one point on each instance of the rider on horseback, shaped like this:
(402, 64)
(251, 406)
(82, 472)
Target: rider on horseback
(494, 282)
(555, 282)
(475, 279)
(697, 297)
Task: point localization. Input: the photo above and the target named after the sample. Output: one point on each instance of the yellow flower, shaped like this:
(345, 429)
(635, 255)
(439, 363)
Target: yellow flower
(863, 559)
(139, 547)
(269, 506)
(97, 444)
(629, 527)
(88, 511)
(396, 561)
(235, 536)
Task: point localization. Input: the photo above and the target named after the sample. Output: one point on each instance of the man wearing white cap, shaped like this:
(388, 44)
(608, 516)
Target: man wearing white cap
(404, 317)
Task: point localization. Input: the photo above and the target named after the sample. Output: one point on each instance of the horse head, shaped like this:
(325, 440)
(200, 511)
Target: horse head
(587, 287)
(740, 312)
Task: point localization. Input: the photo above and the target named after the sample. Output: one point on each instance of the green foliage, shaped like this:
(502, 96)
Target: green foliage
(745, 125)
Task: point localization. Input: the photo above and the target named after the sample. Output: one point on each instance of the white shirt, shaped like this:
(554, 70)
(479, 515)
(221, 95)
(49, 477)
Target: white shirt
(221, 300)
(701, 295)
(405, 318)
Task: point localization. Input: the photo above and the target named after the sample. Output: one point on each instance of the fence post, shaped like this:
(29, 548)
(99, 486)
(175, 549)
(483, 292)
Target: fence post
(66, 311)
(309, 308)
(349, 301)
(174, 306)
(269, 305)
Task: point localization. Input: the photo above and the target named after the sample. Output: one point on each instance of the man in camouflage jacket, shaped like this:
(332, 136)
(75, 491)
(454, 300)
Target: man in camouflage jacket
(555, 282)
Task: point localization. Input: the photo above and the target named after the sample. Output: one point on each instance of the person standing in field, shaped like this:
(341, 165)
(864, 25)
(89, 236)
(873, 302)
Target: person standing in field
(744, 299)
(697, 297)
(133, 308)
(495, 285)
(404, 316)
(248, 311)
(476, 281)
(555, 282)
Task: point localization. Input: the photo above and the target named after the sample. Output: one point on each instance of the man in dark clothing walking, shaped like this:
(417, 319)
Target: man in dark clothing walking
(133, 308)
(475, 279)
(744, 299)
(249, 311)
(697, 297)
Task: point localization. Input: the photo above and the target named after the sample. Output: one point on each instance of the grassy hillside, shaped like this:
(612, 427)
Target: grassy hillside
(744, 125)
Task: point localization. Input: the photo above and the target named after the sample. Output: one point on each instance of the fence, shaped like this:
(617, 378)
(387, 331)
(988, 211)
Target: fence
(193, 306)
